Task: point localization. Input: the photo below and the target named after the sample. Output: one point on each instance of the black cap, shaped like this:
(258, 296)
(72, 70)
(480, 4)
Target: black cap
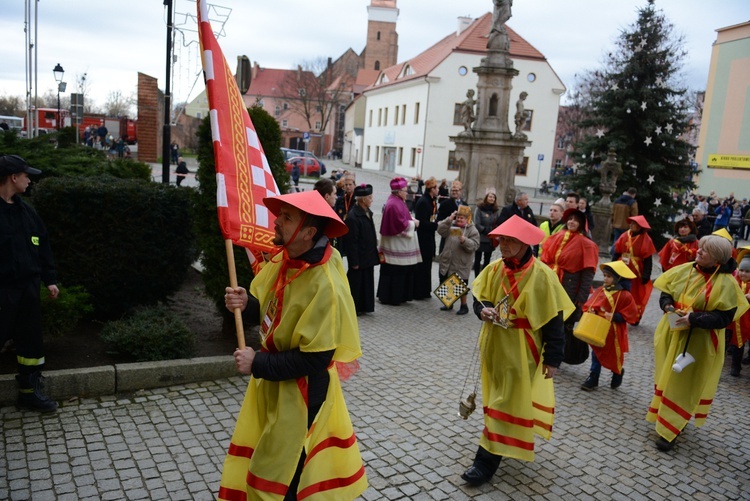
(363, 190)
(13, 164)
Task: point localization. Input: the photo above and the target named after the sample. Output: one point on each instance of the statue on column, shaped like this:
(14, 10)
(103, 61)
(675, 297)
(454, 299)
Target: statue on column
(610, 170)
(520, 117)
(498, 38)
(467, 113)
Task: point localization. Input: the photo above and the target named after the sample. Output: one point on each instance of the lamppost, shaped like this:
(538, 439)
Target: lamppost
(58, 72)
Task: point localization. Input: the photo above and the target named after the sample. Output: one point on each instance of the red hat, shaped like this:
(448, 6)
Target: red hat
(309, 202)
(398, 183)
(640, 221)
(519, 229)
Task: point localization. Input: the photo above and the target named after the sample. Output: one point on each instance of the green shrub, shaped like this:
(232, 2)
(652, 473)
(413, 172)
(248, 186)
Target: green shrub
(60, 316)
(127, 242)
(150, 334)
(208, 234)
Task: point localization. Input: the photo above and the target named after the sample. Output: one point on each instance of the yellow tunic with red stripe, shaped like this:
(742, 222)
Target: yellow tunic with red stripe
(637, 248)
(740, 328)
(315, 313)
(612, 354)
(518, 400)
(680, 396)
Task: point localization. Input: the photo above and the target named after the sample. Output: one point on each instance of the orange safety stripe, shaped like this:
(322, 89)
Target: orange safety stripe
(504, 416)
(342, 443)
(264, 485)
(240, 451)
(668, 425)
(513, 442)
(544, 408)
(228, 494)
(679, 410)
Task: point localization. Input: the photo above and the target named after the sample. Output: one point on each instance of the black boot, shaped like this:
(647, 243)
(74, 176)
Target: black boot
(617, 379)
(591, 382)
(736, 360)
(30, 393)
(484, 468)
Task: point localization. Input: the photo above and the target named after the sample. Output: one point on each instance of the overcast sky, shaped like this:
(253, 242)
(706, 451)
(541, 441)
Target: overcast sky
(113, 40)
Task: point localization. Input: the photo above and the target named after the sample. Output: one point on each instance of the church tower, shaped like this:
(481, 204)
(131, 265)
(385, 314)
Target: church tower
(381, 50)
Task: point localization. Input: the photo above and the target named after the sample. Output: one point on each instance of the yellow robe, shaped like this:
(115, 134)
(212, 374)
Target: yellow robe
(518, 401)
(680, 396)
(271, 431)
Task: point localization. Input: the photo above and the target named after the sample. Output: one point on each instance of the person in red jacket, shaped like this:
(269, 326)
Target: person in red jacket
(636, 249)
(614, 302)
(738, 331)
(682, 248)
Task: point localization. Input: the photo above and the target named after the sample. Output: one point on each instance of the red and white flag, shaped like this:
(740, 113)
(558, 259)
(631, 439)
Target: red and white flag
(243, 176)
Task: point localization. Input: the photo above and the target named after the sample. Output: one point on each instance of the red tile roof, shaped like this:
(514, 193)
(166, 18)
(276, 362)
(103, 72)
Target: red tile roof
(269, 82)
(472, 40)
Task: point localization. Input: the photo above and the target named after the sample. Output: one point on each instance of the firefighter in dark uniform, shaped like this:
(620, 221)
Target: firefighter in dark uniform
(25, 260)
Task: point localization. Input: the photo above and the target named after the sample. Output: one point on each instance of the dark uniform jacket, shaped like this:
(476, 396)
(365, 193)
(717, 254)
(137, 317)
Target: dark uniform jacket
(25, 253)
(526, 214)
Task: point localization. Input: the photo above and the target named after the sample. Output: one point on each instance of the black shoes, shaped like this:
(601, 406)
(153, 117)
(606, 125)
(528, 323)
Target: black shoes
(591, 382)
(665, 445)
(475, 477)
(30, 394)
(446, 308)
(463, 310)
(617, 379)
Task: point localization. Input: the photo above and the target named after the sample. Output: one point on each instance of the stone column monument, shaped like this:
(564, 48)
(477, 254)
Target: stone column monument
(488, 152)
(609, 171)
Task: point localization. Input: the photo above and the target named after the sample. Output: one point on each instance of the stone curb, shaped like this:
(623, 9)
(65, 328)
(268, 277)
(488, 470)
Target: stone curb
(112, 379)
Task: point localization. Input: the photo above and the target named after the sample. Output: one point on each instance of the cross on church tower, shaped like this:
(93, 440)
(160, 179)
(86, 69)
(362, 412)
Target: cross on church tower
(381, 50)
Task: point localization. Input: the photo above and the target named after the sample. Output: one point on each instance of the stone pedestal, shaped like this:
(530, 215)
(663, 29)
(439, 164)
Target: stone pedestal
(488, 154)
(602, 227)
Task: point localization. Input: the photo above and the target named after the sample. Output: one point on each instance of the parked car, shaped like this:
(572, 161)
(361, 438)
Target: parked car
(290, 153)
(308, 166)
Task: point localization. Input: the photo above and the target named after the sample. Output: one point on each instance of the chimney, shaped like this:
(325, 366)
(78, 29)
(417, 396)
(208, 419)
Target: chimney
(255, 70)
(463, 23)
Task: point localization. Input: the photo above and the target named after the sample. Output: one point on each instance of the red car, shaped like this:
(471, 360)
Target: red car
(308, 166)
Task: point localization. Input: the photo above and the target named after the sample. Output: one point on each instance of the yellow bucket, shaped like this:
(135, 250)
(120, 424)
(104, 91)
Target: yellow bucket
(592, 329)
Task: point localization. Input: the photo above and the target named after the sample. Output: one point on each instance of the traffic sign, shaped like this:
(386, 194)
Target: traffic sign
(540, 157)
(419, 150)
(305, 136)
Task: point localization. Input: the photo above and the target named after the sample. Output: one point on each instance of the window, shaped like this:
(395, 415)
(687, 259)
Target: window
(377, 153)
(529, 116)
(317, 125)
(261, 103)
(286, 106)
(400, 154)
(561, 143)
(403, 115)
(377, 65)
(385, 117)
(413, 161)
(395, 116)
(531, 77)
(416, 113)
(370, 123)
(277, 110)
(285, 123)
(462, 70)
(452, 162)
(523, 167)
(368, 153)
(199, 115)
(558, 164)
(457, 113)
(380, 117)
(378, 35)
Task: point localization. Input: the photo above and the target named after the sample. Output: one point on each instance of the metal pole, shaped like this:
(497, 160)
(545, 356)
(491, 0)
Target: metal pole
(58, 107)
(167, 133)
(36, 67)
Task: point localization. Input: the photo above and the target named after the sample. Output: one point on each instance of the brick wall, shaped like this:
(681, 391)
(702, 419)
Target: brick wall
(150, 116)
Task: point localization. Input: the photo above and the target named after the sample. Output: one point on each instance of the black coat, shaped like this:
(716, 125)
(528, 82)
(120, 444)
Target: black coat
(526, 214)
(361, 241)
(426, 231)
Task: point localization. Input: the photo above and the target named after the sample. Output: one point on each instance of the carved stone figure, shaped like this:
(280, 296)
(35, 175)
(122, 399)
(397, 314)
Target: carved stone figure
(467, 112)
(498, 37)
(520, 117)
(610, 170)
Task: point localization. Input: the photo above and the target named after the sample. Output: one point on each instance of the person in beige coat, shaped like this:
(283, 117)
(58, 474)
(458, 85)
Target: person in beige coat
(461, 242)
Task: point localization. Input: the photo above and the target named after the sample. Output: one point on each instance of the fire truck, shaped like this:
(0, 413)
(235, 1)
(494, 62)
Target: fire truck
(47, 119)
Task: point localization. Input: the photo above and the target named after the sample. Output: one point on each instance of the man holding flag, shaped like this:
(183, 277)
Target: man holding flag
(294, 438)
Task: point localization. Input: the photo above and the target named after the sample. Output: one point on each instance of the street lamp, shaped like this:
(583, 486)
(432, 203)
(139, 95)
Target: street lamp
(58, 72)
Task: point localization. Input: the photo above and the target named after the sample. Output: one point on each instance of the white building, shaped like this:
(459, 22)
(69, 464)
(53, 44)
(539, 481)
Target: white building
(413, 108)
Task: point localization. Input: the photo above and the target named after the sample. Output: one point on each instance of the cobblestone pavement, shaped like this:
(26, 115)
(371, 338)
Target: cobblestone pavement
(170, 443)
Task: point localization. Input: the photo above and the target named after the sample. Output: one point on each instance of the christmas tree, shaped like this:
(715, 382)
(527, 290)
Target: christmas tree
(636, 106)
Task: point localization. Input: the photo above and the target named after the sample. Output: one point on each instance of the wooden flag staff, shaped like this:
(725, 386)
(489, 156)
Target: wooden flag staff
(233, 284)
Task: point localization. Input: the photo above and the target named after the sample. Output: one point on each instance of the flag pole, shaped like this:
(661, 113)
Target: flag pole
(233, 283)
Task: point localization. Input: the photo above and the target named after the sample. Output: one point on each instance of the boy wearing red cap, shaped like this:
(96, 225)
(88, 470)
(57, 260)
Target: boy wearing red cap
(636, 249)
(293, 435)
(523, 306)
